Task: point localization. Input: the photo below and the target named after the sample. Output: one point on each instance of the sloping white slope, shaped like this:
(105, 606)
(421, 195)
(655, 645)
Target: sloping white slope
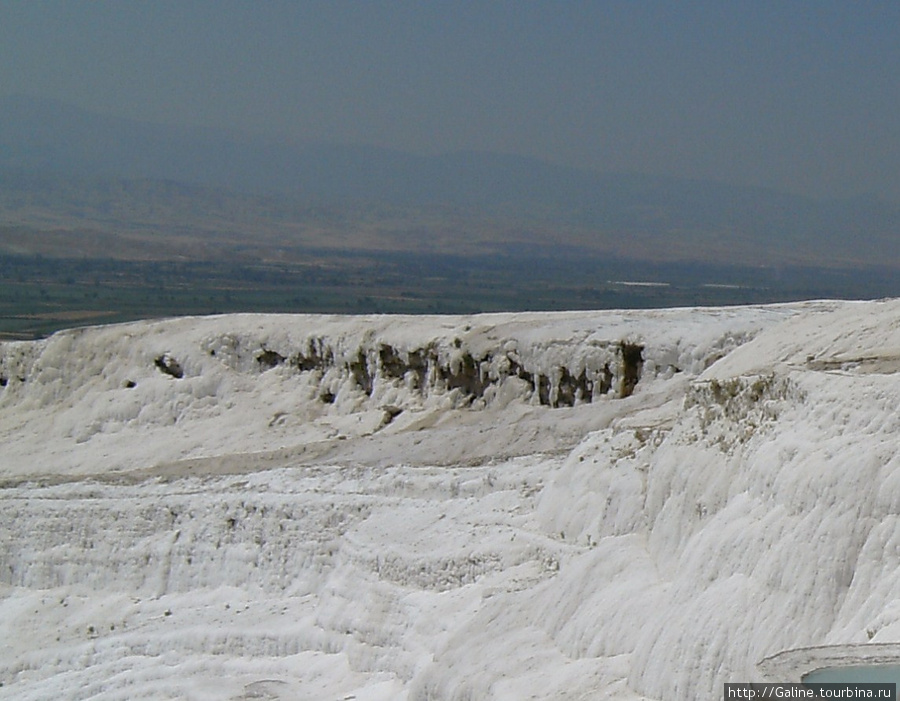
(282, 507)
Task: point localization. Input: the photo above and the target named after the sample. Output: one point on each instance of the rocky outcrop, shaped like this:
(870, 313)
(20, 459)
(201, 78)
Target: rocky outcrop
(613, 369)
(169, 366)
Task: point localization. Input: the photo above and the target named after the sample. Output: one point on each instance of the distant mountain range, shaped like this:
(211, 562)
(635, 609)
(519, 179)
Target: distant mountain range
(69, 168)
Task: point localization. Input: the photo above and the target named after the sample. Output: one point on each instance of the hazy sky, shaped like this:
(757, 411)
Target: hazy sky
(801, 95)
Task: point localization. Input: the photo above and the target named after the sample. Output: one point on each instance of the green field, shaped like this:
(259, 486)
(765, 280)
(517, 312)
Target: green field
(40, 295)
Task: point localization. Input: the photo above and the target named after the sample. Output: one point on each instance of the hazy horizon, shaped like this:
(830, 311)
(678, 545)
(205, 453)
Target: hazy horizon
(800, 97)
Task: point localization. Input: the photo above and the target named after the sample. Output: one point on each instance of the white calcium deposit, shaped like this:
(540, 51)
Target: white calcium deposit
(604, 505)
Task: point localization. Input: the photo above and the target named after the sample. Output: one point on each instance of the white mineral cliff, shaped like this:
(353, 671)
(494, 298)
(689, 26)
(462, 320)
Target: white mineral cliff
(622, 505)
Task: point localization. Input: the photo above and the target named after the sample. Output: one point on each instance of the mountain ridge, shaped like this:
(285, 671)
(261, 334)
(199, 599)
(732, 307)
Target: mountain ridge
(650, 216)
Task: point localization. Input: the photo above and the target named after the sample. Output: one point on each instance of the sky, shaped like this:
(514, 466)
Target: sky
(802, 95)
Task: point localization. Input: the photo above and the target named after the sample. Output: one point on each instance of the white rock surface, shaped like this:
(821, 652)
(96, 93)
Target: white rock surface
(304, 507)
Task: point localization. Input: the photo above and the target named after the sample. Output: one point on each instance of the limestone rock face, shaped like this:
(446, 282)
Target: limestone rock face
(621, 505)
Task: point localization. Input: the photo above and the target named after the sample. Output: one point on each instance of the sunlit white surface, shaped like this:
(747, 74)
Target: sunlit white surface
(255, 529)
